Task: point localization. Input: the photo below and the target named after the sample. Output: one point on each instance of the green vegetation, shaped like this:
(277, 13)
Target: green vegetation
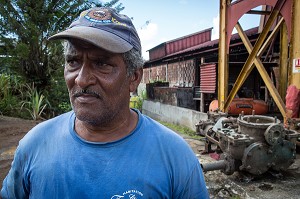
(136, 101)
(181, 130)
(35, 103)
(26, 25)
(10, 94)
(31, 68)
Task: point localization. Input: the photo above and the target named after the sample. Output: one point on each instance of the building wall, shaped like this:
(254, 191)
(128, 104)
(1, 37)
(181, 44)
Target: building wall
(178, 74)
(155, 73)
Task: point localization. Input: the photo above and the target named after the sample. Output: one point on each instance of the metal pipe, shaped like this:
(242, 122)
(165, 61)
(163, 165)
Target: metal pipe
(218, 165)
(211, 139)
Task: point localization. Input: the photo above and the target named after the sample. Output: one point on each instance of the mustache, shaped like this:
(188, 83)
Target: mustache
(81, 92)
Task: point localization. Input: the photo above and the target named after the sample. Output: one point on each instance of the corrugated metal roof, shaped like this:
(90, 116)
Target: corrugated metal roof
(188, 41)
(180, 38)
(236, 36)
(190, 35)
(179, 44)
(206, 45)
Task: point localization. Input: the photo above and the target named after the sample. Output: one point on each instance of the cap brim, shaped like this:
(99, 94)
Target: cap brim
(95, 36)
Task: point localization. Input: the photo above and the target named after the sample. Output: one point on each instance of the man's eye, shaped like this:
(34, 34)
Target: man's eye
(103, 67)
(72, 63)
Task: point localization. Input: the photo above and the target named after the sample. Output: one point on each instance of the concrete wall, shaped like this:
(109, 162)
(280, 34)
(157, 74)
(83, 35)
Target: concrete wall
(173, 114)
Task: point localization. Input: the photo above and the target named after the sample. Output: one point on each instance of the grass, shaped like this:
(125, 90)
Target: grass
(181, 130)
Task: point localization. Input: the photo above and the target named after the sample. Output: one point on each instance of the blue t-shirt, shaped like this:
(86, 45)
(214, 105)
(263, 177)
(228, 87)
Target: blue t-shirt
(52, 161)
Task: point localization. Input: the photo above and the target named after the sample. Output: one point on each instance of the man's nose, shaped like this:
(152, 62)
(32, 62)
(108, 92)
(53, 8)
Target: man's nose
(86, 76)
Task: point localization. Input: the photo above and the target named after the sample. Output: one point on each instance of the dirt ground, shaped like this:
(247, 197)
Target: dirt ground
(11, 131)
(271, 185)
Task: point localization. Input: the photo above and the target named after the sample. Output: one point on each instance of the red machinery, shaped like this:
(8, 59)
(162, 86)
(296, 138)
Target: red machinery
(246, 105)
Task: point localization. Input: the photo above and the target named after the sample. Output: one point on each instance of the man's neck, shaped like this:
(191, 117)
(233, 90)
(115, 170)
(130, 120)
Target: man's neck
(117, 130)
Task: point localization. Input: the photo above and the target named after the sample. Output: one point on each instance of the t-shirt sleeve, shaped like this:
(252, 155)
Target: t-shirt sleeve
(195, 188)
(14, 185)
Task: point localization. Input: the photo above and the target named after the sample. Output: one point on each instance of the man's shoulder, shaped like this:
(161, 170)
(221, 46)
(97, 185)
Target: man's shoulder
(46, 130)
(55, 121)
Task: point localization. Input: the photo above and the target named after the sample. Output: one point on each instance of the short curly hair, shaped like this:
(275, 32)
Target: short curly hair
(133, 61)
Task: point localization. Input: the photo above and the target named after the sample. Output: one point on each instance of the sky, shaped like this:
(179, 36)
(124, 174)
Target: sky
(158, 21)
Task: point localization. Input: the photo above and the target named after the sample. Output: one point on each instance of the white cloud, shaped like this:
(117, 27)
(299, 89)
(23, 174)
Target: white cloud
(215, 30)
(148, 35)
(147, 32)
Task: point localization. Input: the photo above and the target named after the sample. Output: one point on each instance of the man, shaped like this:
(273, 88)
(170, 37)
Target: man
(103, 149)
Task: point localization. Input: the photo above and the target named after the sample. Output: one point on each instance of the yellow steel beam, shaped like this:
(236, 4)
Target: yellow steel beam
(269, 39)
(245, 70)
(262, 71)
(223, 55)
(295, 41)
(262, 49)
(283, 64)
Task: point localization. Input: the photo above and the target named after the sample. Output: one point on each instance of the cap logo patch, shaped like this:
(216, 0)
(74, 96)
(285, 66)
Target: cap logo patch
(102, 16)
(99, 16)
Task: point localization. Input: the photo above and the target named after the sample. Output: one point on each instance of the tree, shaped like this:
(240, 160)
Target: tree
(25, 26)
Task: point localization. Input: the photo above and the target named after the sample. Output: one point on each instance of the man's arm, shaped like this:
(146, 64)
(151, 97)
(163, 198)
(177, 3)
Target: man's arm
(14, 183)
(195, 188)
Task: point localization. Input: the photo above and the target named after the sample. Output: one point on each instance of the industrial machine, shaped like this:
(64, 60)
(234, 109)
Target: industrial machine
(252, 143)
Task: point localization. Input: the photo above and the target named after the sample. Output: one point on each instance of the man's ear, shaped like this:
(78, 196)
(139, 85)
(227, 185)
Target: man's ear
(135, 79)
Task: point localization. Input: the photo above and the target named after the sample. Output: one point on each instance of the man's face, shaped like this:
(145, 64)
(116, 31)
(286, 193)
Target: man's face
(98, 84)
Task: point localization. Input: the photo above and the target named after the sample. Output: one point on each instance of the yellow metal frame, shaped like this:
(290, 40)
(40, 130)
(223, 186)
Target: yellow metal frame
(283, 67)
(253, 60)
(294, 78)
(259, 65)
(223, 55)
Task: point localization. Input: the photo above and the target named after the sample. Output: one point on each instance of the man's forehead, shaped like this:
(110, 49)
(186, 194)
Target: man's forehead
(75, 46)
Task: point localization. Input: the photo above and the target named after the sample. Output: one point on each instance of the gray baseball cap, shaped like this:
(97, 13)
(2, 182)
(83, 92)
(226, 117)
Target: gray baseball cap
(105, 28)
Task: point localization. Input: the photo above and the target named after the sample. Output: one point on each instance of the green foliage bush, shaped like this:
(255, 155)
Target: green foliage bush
(20, 99)
(35, 102)
(58, 95)
(136, 101)
(10, 95)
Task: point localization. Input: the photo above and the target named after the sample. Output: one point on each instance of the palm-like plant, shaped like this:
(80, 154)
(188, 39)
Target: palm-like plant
(36, 103)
